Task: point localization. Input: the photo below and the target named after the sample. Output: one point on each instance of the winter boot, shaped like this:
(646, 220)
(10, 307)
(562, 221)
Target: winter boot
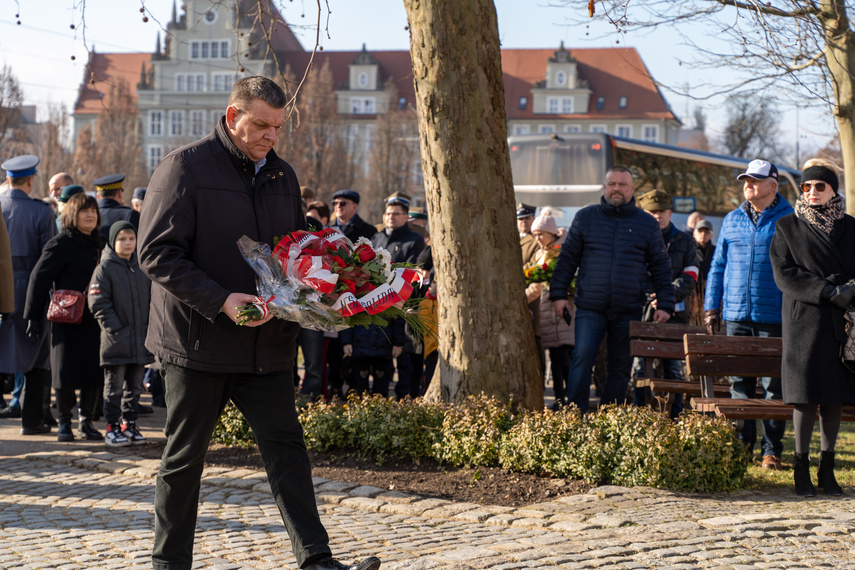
(64, 433)
(801, 475)
(825, 475)
(86, 430)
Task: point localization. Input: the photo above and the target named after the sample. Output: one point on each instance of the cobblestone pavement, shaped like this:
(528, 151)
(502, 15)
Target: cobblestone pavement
(93, 509)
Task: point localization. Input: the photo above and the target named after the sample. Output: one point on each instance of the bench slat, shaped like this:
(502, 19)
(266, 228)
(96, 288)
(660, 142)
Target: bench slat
(754, 409)
(722, 345)
(657, 349)
(662, 331)
(679, 387)
(702, 365)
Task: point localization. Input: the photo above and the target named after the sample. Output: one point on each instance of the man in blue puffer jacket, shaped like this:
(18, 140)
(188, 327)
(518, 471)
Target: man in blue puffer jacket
(741, 290)
(614, 245)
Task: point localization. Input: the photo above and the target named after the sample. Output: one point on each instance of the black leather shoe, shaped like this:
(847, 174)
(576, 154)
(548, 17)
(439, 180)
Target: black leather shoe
(35, 430)
(64, 432)
(370, 563)
(86, 431)
(10, 413)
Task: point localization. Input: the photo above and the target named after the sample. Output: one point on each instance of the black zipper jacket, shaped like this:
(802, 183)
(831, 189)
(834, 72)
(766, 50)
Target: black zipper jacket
(200, 201)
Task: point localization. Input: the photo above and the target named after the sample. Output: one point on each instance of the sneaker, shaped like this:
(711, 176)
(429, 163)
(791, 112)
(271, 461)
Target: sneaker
(132, 433)
(115, 437)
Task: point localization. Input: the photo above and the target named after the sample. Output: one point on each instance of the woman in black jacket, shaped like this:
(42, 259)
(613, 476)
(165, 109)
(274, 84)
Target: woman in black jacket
(814, 266)
(67, 262)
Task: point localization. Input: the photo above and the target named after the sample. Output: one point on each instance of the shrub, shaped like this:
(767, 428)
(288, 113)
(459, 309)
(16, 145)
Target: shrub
(233, 429)
(472, 432)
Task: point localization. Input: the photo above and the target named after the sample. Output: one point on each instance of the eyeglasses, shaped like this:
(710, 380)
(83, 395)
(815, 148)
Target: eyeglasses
(337, 203)
(820, 187)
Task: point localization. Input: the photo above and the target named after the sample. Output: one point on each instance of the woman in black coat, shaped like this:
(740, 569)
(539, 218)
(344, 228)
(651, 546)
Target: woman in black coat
(813, 259)
(67, 262)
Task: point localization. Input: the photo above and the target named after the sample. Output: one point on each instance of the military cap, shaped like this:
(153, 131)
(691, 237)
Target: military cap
(398, 198)
(20, 166)
(109, 183)
(68, 192)
(351, 195)
(417, 213)
(655, 200)
(139, 193)
(524, 210)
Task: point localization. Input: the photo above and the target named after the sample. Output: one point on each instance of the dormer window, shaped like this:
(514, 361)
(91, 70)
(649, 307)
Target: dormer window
(362, 80)
(523, 103)
(601, 103)
(622, 103)
(560, 79)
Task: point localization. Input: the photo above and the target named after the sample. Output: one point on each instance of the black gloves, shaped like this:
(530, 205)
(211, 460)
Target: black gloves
(712, 320)
(35, 328)
(841, 295)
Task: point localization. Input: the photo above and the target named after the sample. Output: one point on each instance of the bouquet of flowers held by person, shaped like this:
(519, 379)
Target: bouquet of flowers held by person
(542, 270)
(324, 281)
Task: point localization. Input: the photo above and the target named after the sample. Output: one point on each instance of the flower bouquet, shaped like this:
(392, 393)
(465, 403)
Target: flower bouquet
(324, 281)
(542, 270)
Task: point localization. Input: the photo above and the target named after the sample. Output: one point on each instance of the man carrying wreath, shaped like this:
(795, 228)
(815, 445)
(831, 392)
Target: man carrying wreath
(201, 199)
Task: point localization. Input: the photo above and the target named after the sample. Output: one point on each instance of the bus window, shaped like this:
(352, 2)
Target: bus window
(556, 162)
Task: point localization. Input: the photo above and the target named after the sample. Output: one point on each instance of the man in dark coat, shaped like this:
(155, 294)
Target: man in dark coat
(31, 225)
(706, 250)
(347, 220)
(110, 202)
(614, 245)
(201, 199)
(684, 278)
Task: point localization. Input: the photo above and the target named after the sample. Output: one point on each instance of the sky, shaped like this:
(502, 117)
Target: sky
(41, 48)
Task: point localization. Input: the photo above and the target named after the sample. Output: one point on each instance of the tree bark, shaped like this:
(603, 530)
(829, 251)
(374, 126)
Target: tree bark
(486, 341)
(840, 61)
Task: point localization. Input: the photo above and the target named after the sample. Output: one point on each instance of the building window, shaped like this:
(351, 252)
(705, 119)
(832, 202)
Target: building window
(155, 123)
(210, 17)
(546, 129)
(567, 105)
(556, 105)
(624, 131)
(362, 80)
(622, 103)
(155, 153)
(560, 78)
(176, 123)
(650, 133)
(362, 106)
(209, 49)
(552, 105)
(352, 137)
(223, 81)
(402, 103)
(197, 123)
(572, 129)
(521, 129)
(598, 128)
(190, 82)
(601, 103)
(523, 103)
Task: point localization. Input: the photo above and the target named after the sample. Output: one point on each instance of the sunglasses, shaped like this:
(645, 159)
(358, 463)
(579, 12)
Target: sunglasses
(339, 203)
(820, 187)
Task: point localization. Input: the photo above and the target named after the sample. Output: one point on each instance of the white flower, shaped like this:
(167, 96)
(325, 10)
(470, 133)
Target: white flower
(386, 258)
(362, 240)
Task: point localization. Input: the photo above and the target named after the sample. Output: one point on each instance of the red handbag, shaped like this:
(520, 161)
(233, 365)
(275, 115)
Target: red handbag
(66, 306)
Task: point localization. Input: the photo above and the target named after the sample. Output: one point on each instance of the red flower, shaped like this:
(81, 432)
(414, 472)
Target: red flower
(366, 288)
(364, 253)
(350, 285)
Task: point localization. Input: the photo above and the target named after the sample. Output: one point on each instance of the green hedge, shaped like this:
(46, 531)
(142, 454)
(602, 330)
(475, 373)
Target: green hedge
(619, 445)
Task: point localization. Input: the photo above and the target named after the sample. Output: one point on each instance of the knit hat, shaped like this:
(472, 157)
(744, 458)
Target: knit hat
(116, 228)
(818, 172)
(545, 222)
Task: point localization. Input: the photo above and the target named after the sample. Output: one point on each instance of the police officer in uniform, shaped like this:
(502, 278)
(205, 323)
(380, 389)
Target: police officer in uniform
(110, 202)
(30, 223)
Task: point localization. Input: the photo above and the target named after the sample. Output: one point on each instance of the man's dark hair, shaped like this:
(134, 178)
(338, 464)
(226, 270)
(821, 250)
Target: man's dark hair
(110, 193)
(249, 89)
(321, 207)
(400, 203)
(20, 181)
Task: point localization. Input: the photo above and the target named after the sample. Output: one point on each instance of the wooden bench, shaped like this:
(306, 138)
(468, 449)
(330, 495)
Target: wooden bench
(653, 341)
(719, 355)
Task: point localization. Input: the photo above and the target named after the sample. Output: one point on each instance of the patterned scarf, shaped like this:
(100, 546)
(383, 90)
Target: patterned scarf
(823, 217)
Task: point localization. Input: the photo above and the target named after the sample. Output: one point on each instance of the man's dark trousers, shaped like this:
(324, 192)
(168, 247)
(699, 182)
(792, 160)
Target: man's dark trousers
(194, 401)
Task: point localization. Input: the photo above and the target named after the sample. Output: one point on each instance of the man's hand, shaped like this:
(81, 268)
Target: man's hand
(235, 300)
(559, 305)
(661, 316)
(396, 351)
(35, 328)
(712, 320)
(347, 349)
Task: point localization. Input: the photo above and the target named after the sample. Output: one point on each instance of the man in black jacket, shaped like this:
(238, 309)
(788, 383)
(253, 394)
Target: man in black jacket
(110, 202)
(345, 206)
(614, 245)
(201, 199)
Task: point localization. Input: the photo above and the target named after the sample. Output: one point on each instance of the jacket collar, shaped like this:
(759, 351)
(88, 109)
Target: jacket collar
(399, 232)
(109, 254)
(618, 211)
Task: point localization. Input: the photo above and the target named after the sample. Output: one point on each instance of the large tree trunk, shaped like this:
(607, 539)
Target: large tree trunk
(840, 59)
(486, 343)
